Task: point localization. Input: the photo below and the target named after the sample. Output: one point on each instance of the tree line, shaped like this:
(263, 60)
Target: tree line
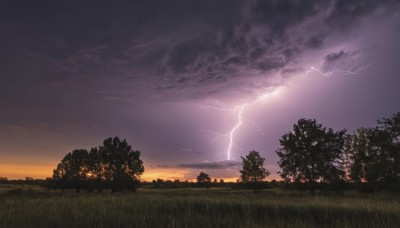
(311, 156)
(316, 155)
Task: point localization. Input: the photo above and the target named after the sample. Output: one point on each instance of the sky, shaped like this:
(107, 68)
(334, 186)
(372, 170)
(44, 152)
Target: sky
(194, 85)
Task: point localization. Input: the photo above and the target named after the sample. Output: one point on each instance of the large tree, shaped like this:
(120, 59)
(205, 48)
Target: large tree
(374, 153)
(311, 153)
(253, 171)
(203, 179)
(360, 152)
(121, 165)
(386, 140)
(72, 170)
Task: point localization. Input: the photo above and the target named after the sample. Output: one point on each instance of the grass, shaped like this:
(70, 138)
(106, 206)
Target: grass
(35, 207)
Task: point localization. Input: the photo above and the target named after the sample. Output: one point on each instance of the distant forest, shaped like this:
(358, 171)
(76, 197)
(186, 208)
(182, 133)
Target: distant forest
(312, 157)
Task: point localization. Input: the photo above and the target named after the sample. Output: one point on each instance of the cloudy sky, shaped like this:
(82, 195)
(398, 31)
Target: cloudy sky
(176, 78)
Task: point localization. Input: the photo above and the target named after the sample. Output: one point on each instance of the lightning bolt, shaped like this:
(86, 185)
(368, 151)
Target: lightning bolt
(232, 132)
(354, 69)
(215, 104)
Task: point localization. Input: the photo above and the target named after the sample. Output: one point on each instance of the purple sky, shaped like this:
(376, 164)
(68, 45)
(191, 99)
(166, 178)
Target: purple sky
(73, 73)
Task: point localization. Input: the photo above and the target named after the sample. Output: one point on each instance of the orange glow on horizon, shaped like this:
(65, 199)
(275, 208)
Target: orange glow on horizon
(20, 171)
(152, 173)
(40, 171)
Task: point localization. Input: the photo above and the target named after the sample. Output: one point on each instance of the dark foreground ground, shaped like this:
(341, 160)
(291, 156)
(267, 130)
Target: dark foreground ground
(23, 206)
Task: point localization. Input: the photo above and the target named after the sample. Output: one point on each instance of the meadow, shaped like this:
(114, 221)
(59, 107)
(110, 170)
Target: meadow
(32, 206)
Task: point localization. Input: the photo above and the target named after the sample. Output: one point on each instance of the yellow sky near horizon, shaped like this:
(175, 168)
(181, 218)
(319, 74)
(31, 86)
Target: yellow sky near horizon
(20, 171)
(41, 171)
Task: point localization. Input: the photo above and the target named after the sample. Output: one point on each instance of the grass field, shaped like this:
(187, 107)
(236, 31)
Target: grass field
(36, 207)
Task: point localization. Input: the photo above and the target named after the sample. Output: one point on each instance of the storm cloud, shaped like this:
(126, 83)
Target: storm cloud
(171, 49)
(76, 72)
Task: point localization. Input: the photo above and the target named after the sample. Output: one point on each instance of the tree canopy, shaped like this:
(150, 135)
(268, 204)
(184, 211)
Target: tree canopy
(311, 153)
(73, 169)
(359, 149)
(203, 179)
(253, 171)
(121, 164)
(375, 152)
(114, 165)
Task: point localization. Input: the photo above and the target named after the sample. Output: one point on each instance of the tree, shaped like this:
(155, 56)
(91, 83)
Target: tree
(114, 164)
(253, 171)
(72, 170)
(122, 165)
(386, 142)
(203, 179)
(3, 180)
(311, 153)
(360, 152)
(375, 153)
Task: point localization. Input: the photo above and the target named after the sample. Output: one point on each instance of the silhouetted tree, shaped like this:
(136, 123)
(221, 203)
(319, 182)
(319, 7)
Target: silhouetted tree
(386, 140)
(311, 153)
(374, 153)
(72, 170)
(203, 179)
(176, 183)
(253, 171)
(122, 165)
(3, 180)
(114, 164)
(159, 183)
(360, 151)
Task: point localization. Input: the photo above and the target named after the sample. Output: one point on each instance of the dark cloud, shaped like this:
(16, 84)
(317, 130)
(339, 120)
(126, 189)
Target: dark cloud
(315, 41)
(170, 48)
(282, 13)
(345, 13)
(332, 57)
(185, 54)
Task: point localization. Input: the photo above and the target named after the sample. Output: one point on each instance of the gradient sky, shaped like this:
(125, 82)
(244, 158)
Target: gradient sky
(73, 73)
